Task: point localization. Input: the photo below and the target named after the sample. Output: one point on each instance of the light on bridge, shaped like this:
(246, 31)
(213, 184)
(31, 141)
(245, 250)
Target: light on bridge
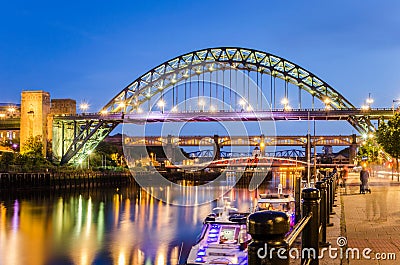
(365, 107)
(285, 101)
(104, 112)
(161, 105)
(201, 103)
(84, 106)
(11, 110)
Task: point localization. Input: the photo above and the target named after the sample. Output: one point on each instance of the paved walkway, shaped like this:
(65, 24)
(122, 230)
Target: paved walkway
(370, 220)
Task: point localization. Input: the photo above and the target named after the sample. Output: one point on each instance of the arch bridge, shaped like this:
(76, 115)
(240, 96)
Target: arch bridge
(224, 83)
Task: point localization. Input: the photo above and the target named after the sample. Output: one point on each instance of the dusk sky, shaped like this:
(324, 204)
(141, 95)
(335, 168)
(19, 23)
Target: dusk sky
(90, 50)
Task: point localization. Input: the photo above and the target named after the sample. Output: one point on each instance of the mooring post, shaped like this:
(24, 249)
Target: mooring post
(310, 234)
(268, 230)
(321, 186)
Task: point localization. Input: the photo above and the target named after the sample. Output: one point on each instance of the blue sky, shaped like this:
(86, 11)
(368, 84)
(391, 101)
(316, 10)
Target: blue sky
(90, 50)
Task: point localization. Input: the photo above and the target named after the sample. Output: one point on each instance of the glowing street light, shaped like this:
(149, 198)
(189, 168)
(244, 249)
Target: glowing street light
(365, 107)
(369, 100)
(84, 106)
(202, 103)
(285, 103)
(161, 105)
(242, 102)
(395, 101)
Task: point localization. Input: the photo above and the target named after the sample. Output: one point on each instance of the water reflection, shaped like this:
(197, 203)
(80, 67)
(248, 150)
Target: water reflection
(128, 226)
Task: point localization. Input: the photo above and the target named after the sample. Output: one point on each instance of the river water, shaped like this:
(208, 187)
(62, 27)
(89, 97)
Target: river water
(102, 226)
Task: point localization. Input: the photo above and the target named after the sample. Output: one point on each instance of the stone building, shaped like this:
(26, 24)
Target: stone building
(37, 111)
(35, 107)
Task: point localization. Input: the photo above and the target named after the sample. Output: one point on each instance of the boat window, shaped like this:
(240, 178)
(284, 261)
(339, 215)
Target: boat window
(228, 235)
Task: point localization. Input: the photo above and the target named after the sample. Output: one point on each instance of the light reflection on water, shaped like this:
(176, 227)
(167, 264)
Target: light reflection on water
(102, 227)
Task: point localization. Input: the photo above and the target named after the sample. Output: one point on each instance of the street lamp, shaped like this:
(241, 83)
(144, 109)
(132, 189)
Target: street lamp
(84, 106)
(327, 102)
(242, 103)
(202, 103)
(161, 105)
(369, 100)
(395, 101)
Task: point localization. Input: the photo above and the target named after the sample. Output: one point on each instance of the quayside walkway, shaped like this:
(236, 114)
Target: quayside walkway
(370, 220)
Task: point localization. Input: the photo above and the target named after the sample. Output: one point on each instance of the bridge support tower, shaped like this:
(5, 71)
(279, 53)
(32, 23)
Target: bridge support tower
(353, 149)
(217, 148)
(170, 149)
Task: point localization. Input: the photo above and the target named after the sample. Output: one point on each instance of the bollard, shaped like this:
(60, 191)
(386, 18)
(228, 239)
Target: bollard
(332, 195)
(268, 229)
(335, 179)
(321, 186)
(310, 234)
(297, 198)
(327, 202)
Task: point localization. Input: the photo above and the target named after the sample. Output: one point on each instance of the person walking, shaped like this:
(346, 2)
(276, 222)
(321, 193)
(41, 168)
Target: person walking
(344, 176)
(364, 177)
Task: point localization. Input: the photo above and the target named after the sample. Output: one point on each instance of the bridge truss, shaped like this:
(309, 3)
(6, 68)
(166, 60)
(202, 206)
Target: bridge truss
(184, 77)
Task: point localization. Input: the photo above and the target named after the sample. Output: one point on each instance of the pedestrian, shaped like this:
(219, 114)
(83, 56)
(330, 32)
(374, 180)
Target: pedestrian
(364, 177)
(345, 175)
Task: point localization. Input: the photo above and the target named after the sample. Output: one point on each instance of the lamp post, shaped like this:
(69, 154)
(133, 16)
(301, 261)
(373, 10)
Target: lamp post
(161, 105)
(285, 103)
(369, 100)
(394, 101)
(202, 103)
(84, 107)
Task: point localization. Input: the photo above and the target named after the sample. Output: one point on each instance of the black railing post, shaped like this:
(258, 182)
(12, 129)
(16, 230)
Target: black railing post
(297, 198)
(268, 229)
(321, 186)
(310, 235)
(328, 201)
(331, 194)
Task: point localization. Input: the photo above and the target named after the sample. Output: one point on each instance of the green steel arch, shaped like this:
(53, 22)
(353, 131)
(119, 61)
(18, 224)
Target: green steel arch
(183, 67)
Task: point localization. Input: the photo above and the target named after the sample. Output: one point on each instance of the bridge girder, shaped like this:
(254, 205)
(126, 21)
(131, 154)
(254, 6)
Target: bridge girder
(183, 67)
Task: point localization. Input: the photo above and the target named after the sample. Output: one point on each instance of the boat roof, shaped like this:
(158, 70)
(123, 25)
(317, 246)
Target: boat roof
(275, 198)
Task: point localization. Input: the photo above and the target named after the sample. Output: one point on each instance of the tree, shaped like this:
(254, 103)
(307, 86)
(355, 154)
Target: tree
(369, 150)
(388, 136)
(33, 147)
(6, 159)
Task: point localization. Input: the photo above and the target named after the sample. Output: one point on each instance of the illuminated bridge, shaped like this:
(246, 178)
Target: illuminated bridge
(214, 84)
(290, 140)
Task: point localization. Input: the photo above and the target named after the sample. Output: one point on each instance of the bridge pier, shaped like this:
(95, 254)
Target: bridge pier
(262, 145)
(170, 149)
(353, 149)
(216, 148)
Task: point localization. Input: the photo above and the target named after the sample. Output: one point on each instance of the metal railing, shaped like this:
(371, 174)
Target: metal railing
(270, 229)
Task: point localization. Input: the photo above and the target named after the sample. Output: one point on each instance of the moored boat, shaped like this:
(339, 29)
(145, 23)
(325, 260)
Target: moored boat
(223, 239)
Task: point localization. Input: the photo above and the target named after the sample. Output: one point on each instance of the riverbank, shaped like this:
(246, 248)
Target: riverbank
(62, 180)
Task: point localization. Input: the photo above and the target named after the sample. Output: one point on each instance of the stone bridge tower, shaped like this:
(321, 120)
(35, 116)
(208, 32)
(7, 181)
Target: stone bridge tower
(35, 107)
